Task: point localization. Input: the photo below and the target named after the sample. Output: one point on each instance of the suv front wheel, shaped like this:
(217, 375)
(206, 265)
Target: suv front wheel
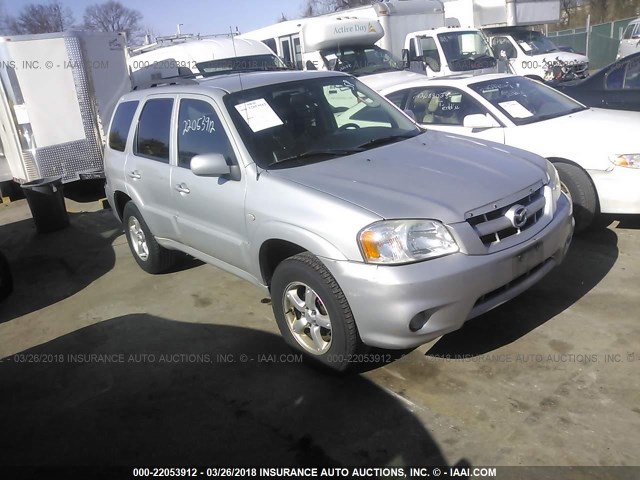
(312, 313)
(152, 257)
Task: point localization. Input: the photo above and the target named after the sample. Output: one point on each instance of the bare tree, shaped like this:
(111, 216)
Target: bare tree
(600, 9)
(568, 8)
(40, 18)
(112, 16)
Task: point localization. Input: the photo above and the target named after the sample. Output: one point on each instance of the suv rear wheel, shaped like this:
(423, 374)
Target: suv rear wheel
(312, 313)
(151, 257)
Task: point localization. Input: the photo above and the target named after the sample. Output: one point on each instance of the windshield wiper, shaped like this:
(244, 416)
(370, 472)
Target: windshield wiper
(332, 152)
(376, 142)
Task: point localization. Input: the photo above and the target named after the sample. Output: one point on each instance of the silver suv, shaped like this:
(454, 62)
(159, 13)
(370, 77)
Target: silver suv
(363, 228)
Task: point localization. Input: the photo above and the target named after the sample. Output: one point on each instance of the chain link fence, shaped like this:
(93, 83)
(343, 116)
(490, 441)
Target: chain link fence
(602, 41)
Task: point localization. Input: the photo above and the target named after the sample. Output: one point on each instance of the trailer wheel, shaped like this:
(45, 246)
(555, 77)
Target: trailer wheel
(152, 257)
(577, 185)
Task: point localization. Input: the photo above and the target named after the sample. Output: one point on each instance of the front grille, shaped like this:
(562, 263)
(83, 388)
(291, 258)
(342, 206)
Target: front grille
(579, 69)
(494, 226)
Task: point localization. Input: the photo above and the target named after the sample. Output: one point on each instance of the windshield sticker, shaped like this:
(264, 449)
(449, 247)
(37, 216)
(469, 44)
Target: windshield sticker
(515, 109)
(258, 114)
(203, 124)
(525, 46)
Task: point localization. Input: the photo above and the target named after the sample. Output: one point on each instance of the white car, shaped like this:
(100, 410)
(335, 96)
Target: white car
(596, 151)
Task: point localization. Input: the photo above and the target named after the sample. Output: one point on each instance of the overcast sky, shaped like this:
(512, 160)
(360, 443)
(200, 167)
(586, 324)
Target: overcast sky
(197, 16)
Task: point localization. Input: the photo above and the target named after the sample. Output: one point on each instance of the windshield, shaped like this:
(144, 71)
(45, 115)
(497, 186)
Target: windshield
(360, 60)
(250, 62)
(525, 101)
(466, 51)
(533, 43)
(296, 123)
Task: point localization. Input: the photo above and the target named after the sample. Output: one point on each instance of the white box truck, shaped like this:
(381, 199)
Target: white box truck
(412, 29)
(57, 94)
(342, 43)
(507, 23)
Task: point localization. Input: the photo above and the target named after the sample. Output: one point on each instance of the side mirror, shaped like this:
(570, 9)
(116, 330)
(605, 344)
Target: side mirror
(405, 58)
(213, 165)
(479, 121)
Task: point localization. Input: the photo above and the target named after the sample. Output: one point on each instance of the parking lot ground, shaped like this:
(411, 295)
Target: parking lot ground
(103, 364)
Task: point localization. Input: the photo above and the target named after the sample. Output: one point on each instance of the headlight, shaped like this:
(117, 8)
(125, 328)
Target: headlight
(554, 182)
(404, 241)
(631, 160)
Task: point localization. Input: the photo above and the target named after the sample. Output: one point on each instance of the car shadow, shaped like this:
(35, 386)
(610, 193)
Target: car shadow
(591, 255)
(142, 390)
(49, 268)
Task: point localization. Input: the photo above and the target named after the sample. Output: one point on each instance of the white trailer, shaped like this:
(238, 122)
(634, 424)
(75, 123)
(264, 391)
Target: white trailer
(191, 55)
(57, 93)
(507, 24)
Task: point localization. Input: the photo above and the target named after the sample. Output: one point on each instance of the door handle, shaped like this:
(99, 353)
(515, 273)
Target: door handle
(135, 174)
(182, 188)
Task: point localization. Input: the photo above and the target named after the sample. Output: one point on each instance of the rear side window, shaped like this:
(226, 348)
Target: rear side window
(121, 124)
(154, 128)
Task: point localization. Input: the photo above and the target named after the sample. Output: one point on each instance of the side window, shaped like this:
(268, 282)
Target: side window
(121, 124)
(271, 43)
(627, 31)
(632, 77)
(430, 54)
(398, 98)
(615, 78)
(297, 52)
(503, 44)
(200, 131)
(442, 106)
(154, 128)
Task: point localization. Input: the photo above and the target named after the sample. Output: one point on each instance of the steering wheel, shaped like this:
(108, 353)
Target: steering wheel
(349, 126)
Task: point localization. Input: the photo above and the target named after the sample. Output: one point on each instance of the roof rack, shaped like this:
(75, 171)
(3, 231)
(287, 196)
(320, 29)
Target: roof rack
(167, 81)
(178, 39)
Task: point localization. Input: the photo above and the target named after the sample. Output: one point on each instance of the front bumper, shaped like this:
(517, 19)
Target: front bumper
(618, 189)
(448, 290)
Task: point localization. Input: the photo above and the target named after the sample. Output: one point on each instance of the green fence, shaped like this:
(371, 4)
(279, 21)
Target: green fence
(603, 41)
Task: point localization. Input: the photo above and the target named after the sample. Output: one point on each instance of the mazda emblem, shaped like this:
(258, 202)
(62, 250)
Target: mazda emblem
(517, 215)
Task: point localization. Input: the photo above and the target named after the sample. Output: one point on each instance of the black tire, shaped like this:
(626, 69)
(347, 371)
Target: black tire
(308, 270)
(6, 279)
(583, 194)
(158, 259)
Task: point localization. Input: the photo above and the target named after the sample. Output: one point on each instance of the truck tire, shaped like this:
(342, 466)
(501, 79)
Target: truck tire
(312, 313)
(577, 184)
(151, 257)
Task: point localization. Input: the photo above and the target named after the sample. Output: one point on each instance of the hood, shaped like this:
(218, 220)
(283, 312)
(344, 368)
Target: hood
(592, 126)
(380, 81)
(434, 175)
(567, 57)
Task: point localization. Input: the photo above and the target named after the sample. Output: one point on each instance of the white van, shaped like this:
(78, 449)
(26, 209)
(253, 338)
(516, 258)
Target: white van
(155, 64)
(630, 42)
